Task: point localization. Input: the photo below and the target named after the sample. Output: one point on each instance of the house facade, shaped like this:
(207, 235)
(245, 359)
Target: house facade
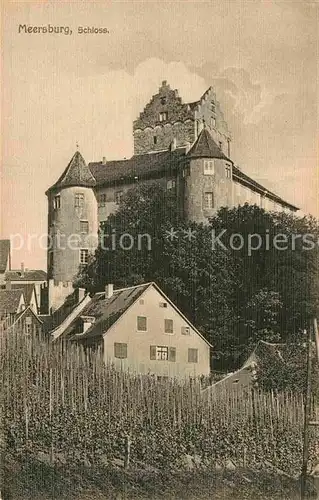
(185, 147)
(139, 330)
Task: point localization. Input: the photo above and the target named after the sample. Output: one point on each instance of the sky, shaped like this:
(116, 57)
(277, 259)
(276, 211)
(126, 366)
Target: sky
(261, 56)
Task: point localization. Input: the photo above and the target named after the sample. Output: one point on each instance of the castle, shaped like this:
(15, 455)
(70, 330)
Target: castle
(186, 147)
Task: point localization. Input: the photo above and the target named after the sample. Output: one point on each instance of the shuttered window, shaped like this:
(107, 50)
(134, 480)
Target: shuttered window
(168, 326)
(120, 350)
(141, 323)
(193, 355)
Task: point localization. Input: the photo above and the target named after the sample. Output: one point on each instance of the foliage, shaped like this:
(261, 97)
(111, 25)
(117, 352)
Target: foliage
(234, 295)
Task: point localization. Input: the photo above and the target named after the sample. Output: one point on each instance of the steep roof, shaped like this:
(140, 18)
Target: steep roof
(141, 166)
(77, 173)
(106, 311)
(27, 275)
(4, 254)
(241, 177)
(10, 300)
(27, 289)
(206, 147)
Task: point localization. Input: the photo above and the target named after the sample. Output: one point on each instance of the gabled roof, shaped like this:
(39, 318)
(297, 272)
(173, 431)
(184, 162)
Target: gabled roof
(10, 300)
(28, 290)
(4, 254)
(27, 275)
(139, 166)
(23, 313)
(106, 311)
(77, 173)
(206, 147)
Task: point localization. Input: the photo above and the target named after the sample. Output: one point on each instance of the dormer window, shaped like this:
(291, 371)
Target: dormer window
(209, 167)
(163, 116)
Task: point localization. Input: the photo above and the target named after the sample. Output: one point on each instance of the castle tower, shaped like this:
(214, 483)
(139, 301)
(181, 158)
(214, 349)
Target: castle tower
(166, 118)
(207, 173)
(72, 221)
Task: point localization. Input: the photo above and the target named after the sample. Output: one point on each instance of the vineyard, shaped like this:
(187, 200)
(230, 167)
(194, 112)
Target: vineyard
(63, 403)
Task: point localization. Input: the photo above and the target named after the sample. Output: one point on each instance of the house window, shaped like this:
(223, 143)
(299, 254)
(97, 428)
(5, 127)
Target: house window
(209, 167)
(142, 302)
(118, 197)
(141, 323)
(185, 330)
(162, 353)
(228, 171)
(208, 200)
(168, 326)
(193, 355)
(163, 116)
(57, 202)
(155, 139)
(171, 184)
(163, 304)
(212, 122)
(84, 226)
(102, 200)
(120, 350)
(84, 256)
(28, 326)
(79, 200)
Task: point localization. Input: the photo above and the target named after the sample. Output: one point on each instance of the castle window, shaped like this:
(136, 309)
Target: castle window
(84, 226)
(220, 145)
(163, 100)
(228, 171)
(213, 107)
(171, 183)
(208, 200)
(102, 200)
(118, 197)
(28, 325)
(79, 200)
(186, 171)
(57, 202)
(212, 122)
(209, 167)
(163, 116)
(155, 139)
(84, 256)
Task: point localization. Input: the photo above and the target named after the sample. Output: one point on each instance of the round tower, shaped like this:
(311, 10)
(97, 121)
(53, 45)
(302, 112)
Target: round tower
(72, 221)
(207, 174)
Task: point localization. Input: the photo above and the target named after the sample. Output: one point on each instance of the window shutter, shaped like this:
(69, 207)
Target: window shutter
(192, 355)
(153, 352)
(172, 354)
(120, 350)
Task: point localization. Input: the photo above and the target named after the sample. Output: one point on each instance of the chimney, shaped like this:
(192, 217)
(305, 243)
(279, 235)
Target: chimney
(108, 291)
(104, 160)
(22, 269)
(87, 322)
(8, 285)
(173, 144)
(80, 294)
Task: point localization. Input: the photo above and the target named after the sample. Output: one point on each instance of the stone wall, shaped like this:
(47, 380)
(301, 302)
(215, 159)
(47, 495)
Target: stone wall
(160, 137)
